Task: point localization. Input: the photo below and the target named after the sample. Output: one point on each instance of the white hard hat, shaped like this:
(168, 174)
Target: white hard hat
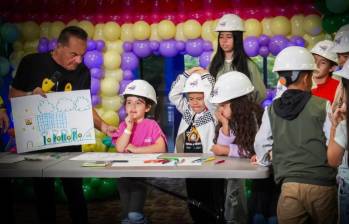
(194, 84)
(294, 58)
(230, 22)
(231, 85)
(344, 72)
(342, 30)
(323, 48)
(140, 88)
(341, 42)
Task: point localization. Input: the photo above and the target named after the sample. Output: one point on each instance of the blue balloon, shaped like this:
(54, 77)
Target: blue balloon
(93, 59)
(9, 32)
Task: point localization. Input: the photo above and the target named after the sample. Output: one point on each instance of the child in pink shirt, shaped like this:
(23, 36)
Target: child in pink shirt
(137, 134)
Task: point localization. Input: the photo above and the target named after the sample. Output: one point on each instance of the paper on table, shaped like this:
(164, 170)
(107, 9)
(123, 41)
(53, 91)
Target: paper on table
(182, 161)
(11, 158)
(100, 156)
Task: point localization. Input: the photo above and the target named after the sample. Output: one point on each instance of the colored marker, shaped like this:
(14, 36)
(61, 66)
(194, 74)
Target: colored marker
(219, 162)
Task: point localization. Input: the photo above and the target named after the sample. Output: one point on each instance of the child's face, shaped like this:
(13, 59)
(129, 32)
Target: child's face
(226, 41)
(136, 107)
(196, 102)
(225, 110)
(324, 65)
(342, 58)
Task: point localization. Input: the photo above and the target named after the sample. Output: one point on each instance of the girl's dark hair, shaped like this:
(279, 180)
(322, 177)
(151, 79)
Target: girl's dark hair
(289, 76)
(346, 92)
(240, 58)
(148, 102)
(244, 123)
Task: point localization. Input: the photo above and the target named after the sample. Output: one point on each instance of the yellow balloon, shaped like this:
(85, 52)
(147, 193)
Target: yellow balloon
(109, 87)
(115, 46)
(16, 57)
(30, 31)
(73, 22)
(88, 147)
(312, 40)
(126, 32)
(297, 25)
(111, 31)
(166, 29)
(154, 32)
(141, 30)
(99, 134)
(55, 29)
(111, 117)
(98, 35)
(17, 45)
(44, 29)
(192, 29)
(99, 110)
(88, 27)
(253, 27)
(114, 74)
(111, 103)
(100, 147)
(280, 25)
(312, 25)
(213, 28)
(215, 45)
(112, 60)
(266, 24)
(206, 31)
(30, 45)
(179, 32)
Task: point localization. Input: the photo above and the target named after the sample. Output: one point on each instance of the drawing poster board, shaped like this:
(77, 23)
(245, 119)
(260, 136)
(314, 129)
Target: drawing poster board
(61, 119)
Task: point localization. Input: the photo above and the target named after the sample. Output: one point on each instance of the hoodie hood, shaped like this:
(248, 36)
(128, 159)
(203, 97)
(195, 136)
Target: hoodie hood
(291, 103)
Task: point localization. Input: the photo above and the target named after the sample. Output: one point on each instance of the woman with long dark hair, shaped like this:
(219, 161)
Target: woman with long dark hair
(230, 55)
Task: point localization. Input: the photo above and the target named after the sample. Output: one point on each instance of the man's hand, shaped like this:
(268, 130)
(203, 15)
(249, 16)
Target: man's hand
(39, 91)
(220, 150)
(4, 121)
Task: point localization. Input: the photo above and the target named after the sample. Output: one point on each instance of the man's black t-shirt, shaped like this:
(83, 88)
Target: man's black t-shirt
(34, 68)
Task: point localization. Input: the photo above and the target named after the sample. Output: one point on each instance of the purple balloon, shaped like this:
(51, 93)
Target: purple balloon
(123, 85)
(154, 45)
(127, 46)
(42, 48)
(122, 113)
(205, 59)
(290, 44)
(129, 61)
(207, 46)
(95, 86)
(44, 40)
(277, 43)
(93, 59)
(180, 45)
(52, 45)
(96, 100)
(194, 47)
(100, 45)
(270, 93)
(266, 102)
(251, 46)
(141, 48)
(298, 41)
(128, 75)
(91, 45)
(264, 51)
(97, 73)
(263, 40)
(168, 48)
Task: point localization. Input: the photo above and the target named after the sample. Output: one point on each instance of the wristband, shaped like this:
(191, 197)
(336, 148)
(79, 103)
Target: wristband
(127, 132)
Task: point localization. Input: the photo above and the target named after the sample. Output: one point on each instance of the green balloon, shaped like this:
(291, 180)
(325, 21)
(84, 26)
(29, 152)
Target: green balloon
(331, 23)
(95, 182)
(86, 181)
(60, 195)
(88, 192)
(337, 6)
(107, 188)
(10, 32)
(320, 5)
(4, 66)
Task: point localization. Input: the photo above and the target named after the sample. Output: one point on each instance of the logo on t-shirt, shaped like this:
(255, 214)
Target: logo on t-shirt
(147, 140)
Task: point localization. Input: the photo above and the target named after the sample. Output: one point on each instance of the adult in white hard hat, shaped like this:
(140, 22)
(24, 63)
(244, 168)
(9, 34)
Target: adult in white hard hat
(291, 133)
(326, 62)
(141, 88)
(230, 55)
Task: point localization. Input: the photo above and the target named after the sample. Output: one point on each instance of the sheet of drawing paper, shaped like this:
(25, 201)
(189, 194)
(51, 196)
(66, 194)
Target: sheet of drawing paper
(61, 119)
